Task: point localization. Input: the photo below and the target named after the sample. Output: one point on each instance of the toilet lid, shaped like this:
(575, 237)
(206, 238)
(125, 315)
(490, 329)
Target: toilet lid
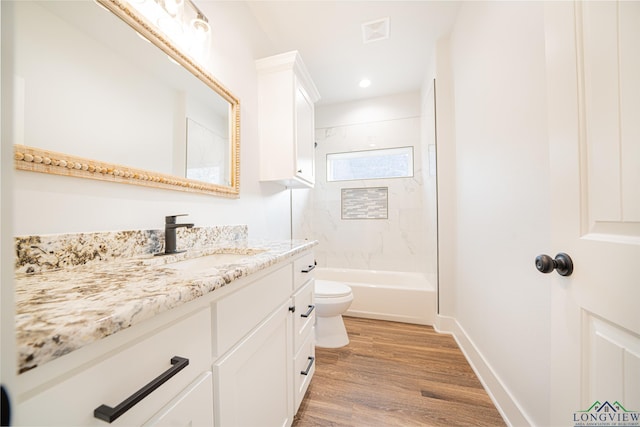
(330, 289)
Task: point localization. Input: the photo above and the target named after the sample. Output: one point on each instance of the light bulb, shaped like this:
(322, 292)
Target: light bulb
(173, 7)
(199, 30)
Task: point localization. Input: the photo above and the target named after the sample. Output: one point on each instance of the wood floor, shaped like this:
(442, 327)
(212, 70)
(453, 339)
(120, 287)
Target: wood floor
(395, 374)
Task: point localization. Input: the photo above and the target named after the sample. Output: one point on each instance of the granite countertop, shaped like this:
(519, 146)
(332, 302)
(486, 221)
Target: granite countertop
(58, 312)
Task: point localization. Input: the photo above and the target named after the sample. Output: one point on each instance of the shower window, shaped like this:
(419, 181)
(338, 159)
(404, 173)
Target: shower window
(370, 164)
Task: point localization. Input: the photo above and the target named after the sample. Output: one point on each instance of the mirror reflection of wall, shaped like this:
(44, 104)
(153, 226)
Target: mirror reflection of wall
(79, 97)
(207, 152)
(88, 85)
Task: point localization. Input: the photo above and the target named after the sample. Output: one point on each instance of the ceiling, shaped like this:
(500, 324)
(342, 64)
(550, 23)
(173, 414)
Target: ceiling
(328, 35)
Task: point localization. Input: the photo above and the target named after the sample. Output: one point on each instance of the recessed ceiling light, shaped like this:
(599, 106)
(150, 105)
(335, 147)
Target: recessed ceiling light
(365, 83)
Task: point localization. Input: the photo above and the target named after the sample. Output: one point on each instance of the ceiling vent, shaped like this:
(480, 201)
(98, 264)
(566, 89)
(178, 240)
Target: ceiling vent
(375, 30)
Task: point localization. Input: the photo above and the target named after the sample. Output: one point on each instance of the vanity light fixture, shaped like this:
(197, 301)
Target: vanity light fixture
(181, 21)
(200, 28)
(201, 22)
(196, 31)
(199, 34)
(173, 7)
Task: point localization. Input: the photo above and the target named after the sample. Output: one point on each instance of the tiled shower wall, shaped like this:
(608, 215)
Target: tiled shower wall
(405, 241)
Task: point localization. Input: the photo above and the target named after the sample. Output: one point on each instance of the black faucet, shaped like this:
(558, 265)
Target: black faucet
(170, 234)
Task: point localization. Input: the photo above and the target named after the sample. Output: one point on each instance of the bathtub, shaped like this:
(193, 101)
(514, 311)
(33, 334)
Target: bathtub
(387, 295)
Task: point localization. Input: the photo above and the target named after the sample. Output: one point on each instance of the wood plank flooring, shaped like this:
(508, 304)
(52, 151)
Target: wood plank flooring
(395, 374)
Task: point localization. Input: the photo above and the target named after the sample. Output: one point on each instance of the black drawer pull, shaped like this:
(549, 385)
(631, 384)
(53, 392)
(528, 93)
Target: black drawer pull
(109, 414)
(308, 269)
(306, 371)
(308, 313)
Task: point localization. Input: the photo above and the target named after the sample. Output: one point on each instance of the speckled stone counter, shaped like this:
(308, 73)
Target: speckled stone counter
(61, 310)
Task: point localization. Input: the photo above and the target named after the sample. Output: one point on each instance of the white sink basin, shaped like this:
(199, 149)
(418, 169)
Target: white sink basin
(208, 261)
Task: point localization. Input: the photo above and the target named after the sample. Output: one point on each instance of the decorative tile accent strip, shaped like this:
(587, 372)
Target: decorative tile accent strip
(36, 254)
(365, 203)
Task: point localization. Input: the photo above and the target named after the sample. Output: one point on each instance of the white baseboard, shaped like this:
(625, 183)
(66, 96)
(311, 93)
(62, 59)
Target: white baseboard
(507, 406)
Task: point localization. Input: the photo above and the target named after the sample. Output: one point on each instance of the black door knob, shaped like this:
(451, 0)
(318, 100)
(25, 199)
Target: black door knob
(562, 263)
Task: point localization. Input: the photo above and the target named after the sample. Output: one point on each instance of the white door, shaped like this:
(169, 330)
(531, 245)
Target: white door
(593, 72)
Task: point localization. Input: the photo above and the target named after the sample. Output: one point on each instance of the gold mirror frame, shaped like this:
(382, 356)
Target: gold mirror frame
(38, 160)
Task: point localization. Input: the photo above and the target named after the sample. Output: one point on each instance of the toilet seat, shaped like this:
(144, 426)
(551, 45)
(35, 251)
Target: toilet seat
(330, 289)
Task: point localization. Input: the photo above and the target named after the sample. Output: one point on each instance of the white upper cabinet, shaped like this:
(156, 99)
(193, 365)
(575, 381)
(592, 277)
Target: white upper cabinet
(286, 97)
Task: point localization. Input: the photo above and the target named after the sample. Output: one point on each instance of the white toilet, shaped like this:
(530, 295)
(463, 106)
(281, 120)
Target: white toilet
(331, 300)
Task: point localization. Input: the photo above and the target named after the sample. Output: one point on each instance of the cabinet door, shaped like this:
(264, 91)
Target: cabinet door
(252, 381)
(191, 408)
(305, 135)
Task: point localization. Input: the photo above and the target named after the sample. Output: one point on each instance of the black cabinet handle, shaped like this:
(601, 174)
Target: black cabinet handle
(306, 371)
(308, 313)
(308, 269)
(109, 414)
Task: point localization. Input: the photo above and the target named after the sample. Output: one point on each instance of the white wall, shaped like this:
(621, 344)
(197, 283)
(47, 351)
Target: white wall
(399, 243)
(501, 208)
(47, 204)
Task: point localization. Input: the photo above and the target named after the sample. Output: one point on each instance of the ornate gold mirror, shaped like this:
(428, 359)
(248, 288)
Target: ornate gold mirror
(104, 94)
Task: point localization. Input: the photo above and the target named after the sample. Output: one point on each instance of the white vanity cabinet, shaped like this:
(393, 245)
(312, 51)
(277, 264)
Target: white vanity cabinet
(286, 98)
(250, 353)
